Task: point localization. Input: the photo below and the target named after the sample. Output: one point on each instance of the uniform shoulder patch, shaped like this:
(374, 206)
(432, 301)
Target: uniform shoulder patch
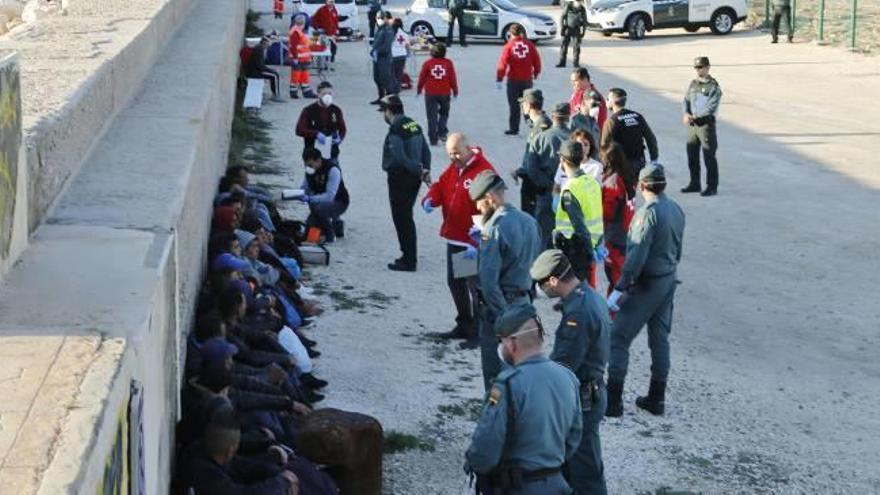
(494, 396)
(572, 323)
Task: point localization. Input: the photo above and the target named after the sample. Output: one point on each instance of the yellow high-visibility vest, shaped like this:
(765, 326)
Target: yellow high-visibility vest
(588, 193)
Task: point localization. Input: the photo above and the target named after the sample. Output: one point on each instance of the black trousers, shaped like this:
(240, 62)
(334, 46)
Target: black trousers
(464, 295)
(528, 196)
(398, 64)
(274, 79)
(575, 49)
(371, 20)
(437, 110)
(778, 12)
(382, 75)
(455, 16)
(403, 189)
(515, 90)
(703, 137)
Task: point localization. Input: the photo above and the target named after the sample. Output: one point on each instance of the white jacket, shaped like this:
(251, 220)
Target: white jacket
(400, 44)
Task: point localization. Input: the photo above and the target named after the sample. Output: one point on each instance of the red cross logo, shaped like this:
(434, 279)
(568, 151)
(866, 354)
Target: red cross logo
(520, 49)
(400, 39)
(438, 72)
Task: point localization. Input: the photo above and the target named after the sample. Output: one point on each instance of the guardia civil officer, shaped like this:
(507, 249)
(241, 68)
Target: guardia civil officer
(579, 232)
(645, 290)
(531, 421)
(509, 243)
(781, 8)
(543, 165)
(630, 130)
(532, 106)
(700, 107)
(406, 159)
(582, 346)
(573, 24)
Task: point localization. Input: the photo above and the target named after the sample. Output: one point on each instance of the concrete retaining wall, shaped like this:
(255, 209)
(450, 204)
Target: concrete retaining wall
(108, 284)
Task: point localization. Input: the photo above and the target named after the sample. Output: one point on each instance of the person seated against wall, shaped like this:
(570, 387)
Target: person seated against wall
(256, 68)
(325, 193)
(321, 123)
(236, 183)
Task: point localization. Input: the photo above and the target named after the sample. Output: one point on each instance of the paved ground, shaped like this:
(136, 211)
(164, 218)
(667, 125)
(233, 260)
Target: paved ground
(775, 383)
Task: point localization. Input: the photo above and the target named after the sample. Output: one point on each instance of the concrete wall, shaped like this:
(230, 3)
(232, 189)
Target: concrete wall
(120, 258)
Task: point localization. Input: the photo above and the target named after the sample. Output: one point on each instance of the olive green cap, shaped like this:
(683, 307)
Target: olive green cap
(513, 318)
(701, 62)
(572, 151)
(484, 182)
(562, 109)
(533, 96)
(652, 174)
(550, 263)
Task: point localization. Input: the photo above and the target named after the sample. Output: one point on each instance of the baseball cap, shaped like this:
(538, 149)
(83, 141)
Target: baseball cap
(390, 101)
(652, 174)
(572, 150)
(484, 182)
(701, 62)
(514, 317)
(216, 350)
(228, 261)
(562, 109)
(533, 96)
(550, 263)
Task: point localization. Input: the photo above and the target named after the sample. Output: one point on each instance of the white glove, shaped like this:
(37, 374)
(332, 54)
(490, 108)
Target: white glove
(613, 299)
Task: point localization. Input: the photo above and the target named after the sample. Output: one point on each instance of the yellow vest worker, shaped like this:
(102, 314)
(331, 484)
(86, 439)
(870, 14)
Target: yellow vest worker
(579, 228)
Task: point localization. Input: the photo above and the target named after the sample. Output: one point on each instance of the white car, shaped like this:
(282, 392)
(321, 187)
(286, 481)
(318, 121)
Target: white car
(636, 17)
(348, 14)
(483, 19)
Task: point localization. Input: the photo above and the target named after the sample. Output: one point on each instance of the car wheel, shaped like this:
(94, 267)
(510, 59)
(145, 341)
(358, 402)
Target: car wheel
(691, 28)
(607, 34)
(636, 26)
(722, 21)
(421, 28)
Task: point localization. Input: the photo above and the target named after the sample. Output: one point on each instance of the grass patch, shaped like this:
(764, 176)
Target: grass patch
(250, 143)
(438, 352)
(665, 490)
(447, 389)
(396, 441)
(382, 299)
(342, 301)
(469, 409)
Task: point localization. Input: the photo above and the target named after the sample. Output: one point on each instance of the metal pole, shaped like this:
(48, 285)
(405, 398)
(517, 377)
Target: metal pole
(852, 25)
(821, 21)
(793, 16)
(766, 14)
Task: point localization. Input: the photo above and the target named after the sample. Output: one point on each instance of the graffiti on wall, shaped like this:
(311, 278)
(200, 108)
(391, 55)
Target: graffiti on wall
(116, 468)
(10, 140)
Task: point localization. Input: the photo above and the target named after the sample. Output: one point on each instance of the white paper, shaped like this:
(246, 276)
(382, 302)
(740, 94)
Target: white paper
(253, 96)
(288, 194)
(478, 221)
(463, 267)
(325, 148)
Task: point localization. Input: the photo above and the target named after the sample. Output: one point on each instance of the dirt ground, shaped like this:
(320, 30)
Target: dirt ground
(775, 379)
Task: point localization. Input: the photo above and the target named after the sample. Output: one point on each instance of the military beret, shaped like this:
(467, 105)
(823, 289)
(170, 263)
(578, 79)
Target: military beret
(572, 151)
(562, 109)
(652, 174)
(391, 101)
(533, 96)
(550, 263)
(484, 182)
(701, 62)
(514, 317)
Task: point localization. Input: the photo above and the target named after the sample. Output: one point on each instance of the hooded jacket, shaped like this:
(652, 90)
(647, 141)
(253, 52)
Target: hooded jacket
(450, 193)
(520, 61)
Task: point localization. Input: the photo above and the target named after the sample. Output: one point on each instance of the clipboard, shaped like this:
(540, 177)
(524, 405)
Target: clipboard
(463, 267)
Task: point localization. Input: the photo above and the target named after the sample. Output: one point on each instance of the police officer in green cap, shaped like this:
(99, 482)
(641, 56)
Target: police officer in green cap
(582, 346)
(700, 107)
(509, 243)
(645, 291)
(531, 421)
(532, 106)
(542, 166)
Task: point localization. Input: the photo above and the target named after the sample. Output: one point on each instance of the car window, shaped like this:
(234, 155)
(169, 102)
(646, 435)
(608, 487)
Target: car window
(437, 4)
(505, 5)
(486, 6)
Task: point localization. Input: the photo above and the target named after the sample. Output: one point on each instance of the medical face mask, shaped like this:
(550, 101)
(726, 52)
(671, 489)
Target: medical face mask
(594, 112)
(501, 354)
(310, 171)
(327, 100)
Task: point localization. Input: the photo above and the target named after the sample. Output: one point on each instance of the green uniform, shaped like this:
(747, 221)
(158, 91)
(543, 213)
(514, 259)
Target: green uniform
(653, 250)
(509, 244)
(582, 345)
(528, 191)
(542, 170)
(542, 398)
(702, 100)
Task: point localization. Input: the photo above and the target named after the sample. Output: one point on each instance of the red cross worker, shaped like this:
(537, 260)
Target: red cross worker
(520, 63)
(437, 79)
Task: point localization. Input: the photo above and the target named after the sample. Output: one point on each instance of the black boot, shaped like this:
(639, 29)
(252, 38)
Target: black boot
(313, 353)
(655, 402)
(615, 399)
(311, 381)
(691, 188)
(561, 63)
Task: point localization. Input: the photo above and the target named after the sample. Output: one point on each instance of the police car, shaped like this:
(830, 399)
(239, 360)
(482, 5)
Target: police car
(347, 10)
(483, 19)
(636, 17)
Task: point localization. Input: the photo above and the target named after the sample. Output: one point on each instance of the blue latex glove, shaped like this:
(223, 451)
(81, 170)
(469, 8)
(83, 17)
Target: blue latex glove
(470, 253)
(336, 138)
(321, 138)
(655, 162)
(498, 85)
(305, 198)
(428, 206)
(614, 299)
(474, 233)
(555, 202)
(600, 253)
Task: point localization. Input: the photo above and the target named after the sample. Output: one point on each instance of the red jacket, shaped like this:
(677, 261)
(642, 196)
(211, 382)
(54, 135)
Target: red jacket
(520, 61)
(451, 193)
(617, 211)
(327, 18)
(578, 96)
(278, 6)
(437, 78)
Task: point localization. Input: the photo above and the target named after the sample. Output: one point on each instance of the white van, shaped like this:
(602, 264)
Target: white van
(636, 17)
(483, 19)
(347, 9)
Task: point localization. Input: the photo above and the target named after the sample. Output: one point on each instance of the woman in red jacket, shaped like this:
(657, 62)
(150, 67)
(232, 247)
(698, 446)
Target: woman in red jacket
(437, 79)
(618, 207)
(450, 193)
